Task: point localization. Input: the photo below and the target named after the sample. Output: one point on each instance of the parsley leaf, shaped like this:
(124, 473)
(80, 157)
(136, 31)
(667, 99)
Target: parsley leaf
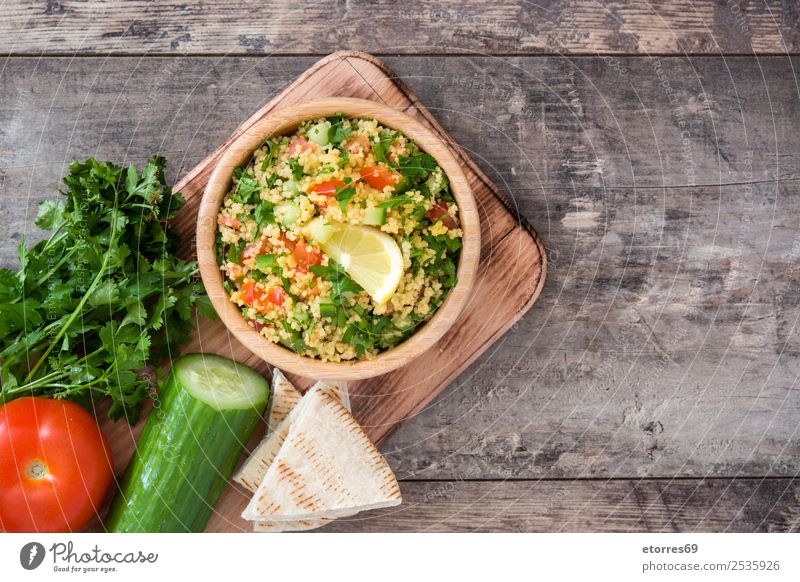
(341, 281)
(397, 201)
(384, 141)
(103, 297)
(417, 165)
(271, 149)
(265, 213)
(338, 132)
(297, 169)
(247, 189)
(343, 195)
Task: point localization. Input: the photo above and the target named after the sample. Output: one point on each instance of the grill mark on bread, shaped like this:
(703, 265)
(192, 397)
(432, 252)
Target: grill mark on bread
(310, 475)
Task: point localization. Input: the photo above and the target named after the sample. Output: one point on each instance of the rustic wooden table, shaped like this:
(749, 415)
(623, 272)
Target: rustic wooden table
(654, 146)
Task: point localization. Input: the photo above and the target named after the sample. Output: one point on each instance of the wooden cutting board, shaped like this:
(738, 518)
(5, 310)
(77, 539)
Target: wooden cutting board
(512, 271)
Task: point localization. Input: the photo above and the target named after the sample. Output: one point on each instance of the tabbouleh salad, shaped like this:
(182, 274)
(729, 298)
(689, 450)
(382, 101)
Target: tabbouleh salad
(347, 189)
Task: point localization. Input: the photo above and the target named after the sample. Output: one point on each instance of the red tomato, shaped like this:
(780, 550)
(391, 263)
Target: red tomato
(438, 211)
(287, 242)
(276, 296)
(230, 221)
(327, 188)
(297, 145)
(252, 294)
(357, 143)
(254, 248)
(306, 256)
(379, 177)
(255, 296)
(55, 466)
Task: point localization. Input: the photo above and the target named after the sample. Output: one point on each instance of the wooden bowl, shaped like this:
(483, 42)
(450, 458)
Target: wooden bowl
(283, 122)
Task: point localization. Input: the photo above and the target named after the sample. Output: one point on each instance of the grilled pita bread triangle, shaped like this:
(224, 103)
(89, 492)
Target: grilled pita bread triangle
(327, 467)
(255, 467)
(284, 398)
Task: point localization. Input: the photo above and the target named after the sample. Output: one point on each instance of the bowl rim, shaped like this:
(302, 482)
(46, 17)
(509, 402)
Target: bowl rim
(282, 122)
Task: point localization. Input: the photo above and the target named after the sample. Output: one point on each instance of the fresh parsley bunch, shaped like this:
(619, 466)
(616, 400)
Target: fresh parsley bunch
(103, 297)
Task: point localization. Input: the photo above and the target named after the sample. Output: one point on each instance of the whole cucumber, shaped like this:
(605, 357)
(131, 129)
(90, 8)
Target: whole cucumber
(207, 411)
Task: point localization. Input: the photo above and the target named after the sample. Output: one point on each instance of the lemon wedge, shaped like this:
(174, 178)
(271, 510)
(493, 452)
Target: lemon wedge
(370, 257)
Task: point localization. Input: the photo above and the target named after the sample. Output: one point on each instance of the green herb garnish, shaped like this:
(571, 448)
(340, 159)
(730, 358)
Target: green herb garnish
(265, 213)
(272, 147)
(297, 169)
(338, 131)
(341, 281)
(397, 201)
(417, 165)
(247, 189)
(343, 195)
(103, 297)
(384, 142)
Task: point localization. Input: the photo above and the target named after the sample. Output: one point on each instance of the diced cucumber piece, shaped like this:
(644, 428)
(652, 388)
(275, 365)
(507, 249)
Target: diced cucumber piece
(287, 212)
(301, 316)
(290, 187)
(327, 309)
(375, 216)
(321, 230)
(319, 133)
(265, 263)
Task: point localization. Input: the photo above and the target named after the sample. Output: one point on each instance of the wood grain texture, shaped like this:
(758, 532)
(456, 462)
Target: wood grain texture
(67, 27)
(666, 340)
(692, 505)
(278, 121)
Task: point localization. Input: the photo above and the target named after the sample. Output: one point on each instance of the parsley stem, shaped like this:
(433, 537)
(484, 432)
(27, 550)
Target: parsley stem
(58, 265)
(79, 309)
(53, 240)
(48, 380)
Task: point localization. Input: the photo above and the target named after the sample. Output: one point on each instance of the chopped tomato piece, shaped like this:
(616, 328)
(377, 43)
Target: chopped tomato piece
(287, 242)
(439, 211)
(276, 296)
(356, 143)
(298, 145)
(327, 188)
(254, 248)
(379, 177)
(252, 294)
(255, 296)
(306, 256)
(230, 221)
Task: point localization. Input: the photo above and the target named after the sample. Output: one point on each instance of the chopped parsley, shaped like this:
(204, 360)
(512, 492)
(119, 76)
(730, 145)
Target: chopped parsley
(297, 169)
(340, 128)
(247, 189)
(272, 147)
(380, 147)
(417, 165)
(343, 195)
